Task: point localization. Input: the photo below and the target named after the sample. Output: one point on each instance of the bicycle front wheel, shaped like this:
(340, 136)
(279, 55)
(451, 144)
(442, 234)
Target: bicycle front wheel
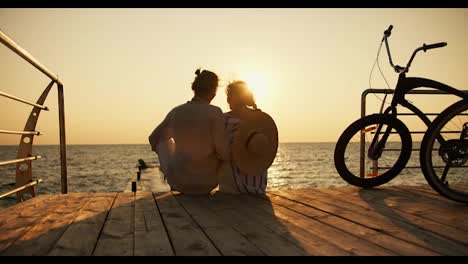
(444, 153)
(351, 152)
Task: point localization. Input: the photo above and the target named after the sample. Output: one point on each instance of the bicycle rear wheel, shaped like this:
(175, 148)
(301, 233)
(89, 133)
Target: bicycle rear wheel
(351, 151)
(444, 163)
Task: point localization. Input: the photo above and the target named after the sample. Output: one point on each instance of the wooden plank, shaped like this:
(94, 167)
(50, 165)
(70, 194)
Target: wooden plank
(106, 194)
(227, 239)
(330, 233)
(393, 244)
(150, 234)
(260, 211)
(430, 197)
(463, 186)
(42, 236)
(390, 207)
(428, 190)
(186, 236)
(397, 205)
(259, 234)
(445, 213)
(422, 195)
(117, 235)
(293, 205)
(433, 198)
(429, 194)
(90, 222)
(9, 213)
(459, 186)
(23, 220)
(357, 229)
(376, 220)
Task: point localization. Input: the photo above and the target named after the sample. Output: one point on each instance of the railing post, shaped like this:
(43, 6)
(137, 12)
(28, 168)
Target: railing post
(24, 170)
(63, 146)
(362, 138)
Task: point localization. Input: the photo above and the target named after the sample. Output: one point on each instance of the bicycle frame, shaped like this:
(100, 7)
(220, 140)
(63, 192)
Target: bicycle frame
(404, 85)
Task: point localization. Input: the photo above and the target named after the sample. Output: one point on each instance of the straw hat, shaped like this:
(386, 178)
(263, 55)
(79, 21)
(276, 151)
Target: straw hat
(255, 142)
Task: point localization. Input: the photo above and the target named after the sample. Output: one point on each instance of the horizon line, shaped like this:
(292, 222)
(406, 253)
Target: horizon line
(289, 142)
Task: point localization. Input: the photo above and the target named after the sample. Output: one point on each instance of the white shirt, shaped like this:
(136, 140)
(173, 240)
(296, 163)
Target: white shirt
(200, 143)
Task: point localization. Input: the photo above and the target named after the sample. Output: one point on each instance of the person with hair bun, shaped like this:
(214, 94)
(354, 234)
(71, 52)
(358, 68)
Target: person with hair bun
(191, 142)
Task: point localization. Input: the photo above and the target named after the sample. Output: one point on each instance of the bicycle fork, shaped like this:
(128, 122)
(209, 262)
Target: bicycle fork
(377, 146)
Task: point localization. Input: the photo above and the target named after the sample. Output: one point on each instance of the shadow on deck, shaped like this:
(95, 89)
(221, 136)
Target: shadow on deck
(334, 221)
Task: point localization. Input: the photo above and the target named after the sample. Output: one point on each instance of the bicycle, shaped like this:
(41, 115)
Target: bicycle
(388, 141)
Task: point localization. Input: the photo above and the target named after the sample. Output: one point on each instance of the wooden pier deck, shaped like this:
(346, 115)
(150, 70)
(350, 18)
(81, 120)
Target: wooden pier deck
(392, 220)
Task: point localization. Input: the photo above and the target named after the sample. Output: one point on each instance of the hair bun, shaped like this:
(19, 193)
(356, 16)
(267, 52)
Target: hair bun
(197, 72)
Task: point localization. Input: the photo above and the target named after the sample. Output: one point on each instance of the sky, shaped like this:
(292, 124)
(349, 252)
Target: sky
(124, 69)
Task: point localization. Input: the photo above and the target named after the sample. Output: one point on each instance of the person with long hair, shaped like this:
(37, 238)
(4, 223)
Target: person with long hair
(232, 179)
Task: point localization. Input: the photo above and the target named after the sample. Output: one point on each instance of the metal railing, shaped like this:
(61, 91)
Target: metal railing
(24, 157)
(363, 114)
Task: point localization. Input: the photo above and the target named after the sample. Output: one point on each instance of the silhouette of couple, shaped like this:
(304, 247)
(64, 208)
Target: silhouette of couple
(200, 148)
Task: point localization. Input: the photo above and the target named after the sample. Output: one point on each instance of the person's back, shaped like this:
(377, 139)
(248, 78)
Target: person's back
(231, 178)
(197, 130)
(197, 154)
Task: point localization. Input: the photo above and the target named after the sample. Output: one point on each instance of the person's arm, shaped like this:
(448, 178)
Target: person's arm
(221, 136)
(160, 133)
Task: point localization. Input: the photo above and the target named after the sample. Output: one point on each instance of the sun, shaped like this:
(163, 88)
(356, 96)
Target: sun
(259, 84)
(260, 79)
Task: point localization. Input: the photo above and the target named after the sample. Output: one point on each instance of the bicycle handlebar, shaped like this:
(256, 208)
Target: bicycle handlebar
(388, 32)
(399, 69)
(434, 46)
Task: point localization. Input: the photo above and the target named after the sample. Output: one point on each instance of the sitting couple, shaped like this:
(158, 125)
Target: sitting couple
(200, 148)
